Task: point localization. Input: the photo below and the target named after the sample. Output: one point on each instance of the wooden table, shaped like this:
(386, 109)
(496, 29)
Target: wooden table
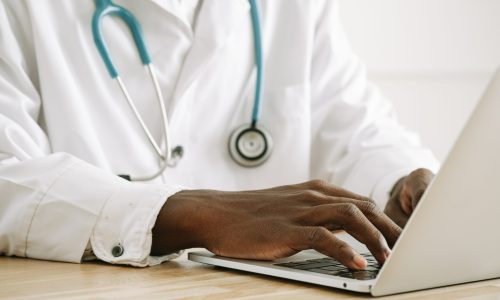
(181, 279)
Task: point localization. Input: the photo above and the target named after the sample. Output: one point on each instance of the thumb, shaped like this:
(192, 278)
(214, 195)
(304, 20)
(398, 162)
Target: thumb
(417, 182)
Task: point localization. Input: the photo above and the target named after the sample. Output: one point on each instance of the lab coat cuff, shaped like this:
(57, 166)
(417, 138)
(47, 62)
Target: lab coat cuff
(123, 232)
(67, 209)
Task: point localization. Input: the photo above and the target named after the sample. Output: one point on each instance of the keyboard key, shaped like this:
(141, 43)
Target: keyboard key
(319, 259)
(312, 266)
(303, 262)
(335, 263)
(334, 268)
(330, 266)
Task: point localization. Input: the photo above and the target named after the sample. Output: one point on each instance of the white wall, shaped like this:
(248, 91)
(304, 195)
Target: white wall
(432, 58)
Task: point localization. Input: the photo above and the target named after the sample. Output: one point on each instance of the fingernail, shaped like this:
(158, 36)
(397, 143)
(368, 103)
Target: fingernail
(360, 261)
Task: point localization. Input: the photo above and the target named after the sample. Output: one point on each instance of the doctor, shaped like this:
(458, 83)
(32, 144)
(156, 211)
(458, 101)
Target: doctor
(256, 98)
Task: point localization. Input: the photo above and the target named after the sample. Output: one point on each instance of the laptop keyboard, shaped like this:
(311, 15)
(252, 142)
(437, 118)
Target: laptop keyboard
(330, 266)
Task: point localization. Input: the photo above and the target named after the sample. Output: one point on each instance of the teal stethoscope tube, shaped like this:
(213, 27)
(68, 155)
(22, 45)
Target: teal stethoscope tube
(250, 144)
(107, 7)
(254, 9)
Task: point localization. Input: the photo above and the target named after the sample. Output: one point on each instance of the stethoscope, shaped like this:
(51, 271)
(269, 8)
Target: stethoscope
(250, 145)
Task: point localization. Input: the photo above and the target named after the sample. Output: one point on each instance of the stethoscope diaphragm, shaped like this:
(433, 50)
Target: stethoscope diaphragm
(250, 146)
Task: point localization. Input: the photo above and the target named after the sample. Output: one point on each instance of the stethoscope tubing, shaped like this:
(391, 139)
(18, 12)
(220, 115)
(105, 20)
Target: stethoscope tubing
(257, 38)
(107, 7)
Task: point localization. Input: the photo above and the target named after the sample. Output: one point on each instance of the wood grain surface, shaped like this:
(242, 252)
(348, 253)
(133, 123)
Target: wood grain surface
(181, 279)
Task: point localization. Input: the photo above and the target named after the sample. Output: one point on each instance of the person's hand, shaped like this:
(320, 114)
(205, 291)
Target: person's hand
(406, 194)
(274, 223)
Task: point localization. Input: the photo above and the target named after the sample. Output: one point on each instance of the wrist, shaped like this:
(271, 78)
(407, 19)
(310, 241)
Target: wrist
(176, 225)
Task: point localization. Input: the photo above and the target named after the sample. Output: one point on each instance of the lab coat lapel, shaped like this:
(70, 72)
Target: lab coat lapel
(215, 22)
(172, 7)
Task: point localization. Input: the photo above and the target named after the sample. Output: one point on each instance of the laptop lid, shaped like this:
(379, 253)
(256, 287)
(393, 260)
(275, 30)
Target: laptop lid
(452, 237)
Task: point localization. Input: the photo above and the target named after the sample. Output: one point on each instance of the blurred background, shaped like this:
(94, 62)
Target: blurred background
(431, 58)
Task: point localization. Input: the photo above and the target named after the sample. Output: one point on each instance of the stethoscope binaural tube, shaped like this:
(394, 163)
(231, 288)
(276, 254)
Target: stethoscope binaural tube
(107, 7)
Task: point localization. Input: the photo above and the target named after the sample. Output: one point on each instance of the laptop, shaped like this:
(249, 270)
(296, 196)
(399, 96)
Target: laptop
(451, 238)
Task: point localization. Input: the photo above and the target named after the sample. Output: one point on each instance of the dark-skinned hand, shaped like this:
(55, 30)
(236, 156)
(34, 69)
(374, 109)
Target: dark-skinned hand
(274, 223)
(406, 194)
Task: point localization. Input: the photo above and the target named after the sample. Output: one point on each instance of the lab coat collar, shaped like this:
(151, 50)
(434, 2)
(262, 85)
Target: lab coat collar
(171, 6)
(174, 8)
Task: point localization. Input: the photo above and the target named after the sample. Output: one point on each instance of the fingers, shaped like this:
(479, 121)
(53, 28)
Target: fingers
(331, 190)
(405, 200)
(417, 182)
(323, 241)
(395, 212)
(390, 230)
(364, 223)
(329, 214)
(356, 214)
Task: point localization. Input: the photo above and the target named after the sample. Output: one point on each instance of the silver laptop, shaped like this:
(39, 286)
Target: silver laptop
(451, 238)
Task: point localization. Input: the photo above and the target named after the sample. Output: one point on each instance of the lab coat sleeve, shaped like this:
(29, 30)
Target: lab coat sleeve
(357, 141)
(53, 204)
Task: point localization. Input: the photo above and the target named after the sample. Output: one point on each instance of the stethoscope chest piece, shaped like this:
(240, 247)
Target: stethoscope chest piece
(250, 146)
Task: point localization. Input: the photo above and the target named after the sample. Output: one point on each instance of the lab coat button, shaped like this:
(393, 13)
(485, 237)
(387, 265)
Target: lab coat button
(117, 250)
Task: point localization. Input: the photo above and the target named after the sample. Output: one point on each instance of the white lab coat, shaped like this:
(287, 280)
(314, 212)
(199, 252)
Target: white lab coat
(66, 130)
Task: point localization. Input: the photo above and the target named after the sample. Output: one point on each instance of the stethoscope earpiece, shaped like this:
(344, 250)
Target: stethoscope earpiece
(250, 146)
